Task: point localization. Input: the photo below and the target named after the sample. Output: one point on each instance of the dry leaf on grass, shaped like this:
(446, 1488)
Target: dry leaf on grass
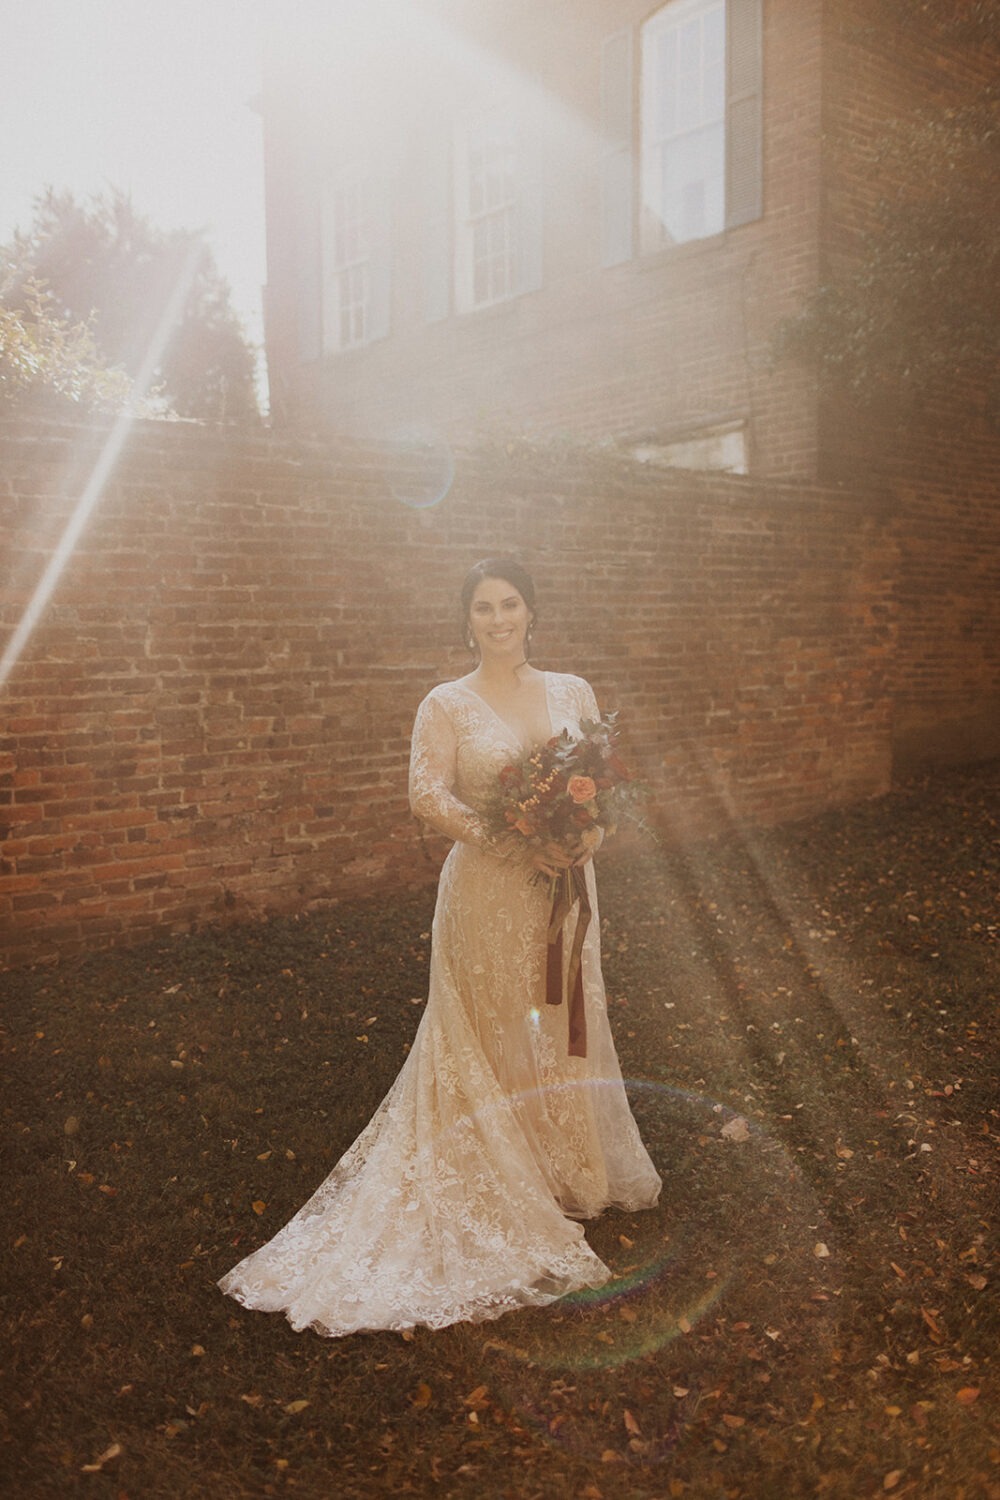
(102, 1459)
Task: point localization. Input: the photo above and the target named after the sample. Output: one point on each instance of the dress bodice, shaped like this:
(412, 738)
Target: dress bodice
(460, 744)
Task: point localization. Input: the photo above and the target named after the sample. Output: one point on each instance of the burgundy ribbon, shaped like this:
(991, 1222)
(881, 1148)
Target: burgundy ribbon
(570, 888)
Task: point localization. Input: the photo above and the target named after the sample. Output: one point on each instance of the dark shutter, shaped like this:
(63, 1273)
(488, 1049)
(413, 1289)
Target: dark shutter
(308, 279)
(380, 262)
(530, 211)
(617, 168)
(438, 226)
(744, 70)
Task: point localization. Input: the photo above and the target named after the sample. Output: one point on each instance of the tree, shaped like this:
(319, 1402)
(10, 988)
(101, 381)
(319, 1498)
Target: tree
(911, 315)
(105, 266)
(44, 358)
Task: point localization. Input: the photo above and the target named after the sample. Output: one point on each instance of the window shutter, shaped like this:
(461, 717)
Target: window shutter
(438, 236)
(744, 69)
(530, 212)
(380, 262)
(309, 282)
(616, 161)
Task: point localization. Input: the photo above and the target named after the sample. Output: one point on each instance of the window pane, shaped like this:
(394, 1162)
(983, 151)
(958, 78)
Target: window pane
(683, 113)
(485, 227)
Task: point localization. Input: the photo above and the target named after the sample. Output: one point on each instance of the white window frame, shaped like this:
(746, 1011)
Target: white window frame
(665, 219)
(486, 211)
(347, 256)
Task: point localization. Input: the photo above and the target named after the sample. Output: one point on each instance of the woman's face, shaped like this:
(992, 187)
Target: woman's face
(499, 620)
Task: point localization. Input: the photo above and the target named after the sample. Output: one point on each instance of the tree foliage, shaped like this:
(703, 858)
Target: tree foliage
(913, 311)
(106, 267)
(46, 358)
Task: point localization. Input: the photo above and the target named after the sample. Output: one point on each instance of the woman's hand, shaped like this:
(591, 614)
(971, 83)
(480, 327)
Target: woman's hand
(552, 859)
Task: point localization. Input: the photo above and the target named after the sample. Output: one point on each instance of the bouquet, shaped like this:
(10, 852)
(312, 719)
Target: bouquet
(571, 791)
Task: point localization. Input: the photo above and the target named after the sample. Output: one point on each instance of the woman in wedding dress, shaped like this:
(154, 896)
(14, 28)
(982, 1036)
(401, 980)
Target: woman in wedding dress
(461, 1198)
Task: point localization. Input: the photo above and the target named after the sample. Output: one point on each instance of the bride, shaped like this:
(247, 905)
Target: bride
(460, 1199)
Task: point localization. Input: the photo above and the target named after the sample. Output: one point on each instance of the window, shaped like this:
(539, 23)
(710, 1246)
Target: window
(346, 310)
(483, 219)
(355, 245)
(681, 153)
(683, 111)
(486, 214)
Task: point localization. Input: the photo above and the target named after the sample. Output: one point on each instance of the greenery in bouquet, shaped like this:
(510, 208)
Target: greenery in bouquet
(570, 791)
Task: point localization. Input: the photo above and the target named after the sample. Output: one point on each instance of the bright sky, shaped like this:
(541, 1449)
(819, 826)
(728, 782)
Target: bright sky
(151, 96)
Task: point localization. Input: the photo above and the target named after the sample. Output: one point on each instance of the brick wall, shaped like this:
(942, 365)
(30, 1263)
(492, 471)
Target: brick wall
(943, 466)
(212, 718)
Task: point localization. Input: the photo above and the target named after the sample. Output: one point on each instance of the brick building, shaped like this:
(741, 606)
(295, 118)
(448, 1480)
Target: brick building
(585, 219)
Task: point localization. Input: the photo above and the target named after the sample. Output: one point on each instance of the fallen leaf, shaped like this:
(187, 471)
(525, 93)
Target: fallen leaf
(820, 1250)
(102, 1459)
(624, 1240)
(681, 1390)
(421, 1396)
(294, 1407)
(683, 1325)
(253, 1400)
(967, 1394)
(197, 1350)
(258, 1206)
(733, 1421)
(977, 1281)
(929, 1318)
(736, 1130)
(631, 1425)
(609, 1456)
(892, 1479)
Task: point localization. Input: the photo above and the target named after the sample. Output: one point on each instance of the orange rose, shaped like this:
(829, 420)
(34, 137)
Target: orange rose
(581, 788)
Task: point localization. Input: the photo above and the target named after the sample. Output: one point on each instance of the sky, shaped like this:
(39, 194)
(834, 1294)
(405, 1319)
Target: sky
(151, 96)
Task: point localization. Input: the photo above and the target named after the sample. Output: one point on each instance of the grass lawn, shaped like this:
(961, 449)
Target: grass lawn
(810, 1021)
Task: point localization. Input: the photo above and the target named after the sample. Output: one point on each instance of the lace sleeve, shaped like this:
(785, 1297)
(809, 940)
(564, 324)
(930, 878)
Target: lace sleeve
(432, 776)
(588, 701)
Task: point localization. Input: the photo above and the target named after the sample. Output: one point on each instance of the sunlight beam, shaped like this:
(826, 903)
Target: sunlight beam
(109, 455)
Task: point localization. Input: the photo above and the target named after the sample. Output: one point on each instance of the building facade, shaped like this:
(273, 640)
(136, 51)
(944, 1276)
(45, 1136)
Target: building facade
(582, 219)
(587, 220)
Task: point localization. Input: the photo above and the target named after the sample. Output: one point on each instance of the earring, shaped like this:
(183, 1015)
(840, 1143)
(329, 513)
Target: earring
(470, 642)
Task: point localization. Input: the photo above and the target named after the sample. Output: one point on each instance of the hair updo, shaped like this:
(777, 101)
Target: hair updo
(507, 568)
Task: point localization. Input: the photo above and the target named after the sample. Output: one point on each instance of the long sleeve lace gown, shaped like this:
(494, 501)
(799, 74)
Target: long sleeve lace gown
(459, 1200)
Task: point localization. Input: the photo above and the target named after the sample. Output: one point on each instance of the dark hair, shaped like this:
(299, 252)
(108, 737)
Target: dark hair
(507, 568)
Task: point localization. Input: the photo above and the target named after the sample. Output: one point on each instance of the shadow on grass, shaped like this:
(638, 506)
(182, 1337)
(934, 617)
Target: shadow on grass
(808, 1022)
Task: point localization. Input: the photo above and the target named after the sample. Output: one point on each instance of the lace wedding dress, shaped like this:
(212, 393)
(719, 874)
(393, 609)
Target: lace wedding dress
(459, 1199)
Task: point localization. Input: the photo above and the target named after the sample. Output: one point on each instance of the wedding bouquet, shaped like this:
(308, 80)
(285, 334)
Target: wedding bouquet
(569, 791)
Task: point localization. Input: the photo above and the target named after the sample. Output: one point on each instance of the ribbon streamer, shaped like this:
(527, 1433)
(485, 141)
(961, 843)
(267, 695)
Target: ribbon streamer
(570, 888)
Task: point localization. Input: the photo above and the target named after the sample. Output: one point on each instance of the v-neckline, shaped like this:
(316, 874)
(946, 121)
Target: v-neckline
(503, 722)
